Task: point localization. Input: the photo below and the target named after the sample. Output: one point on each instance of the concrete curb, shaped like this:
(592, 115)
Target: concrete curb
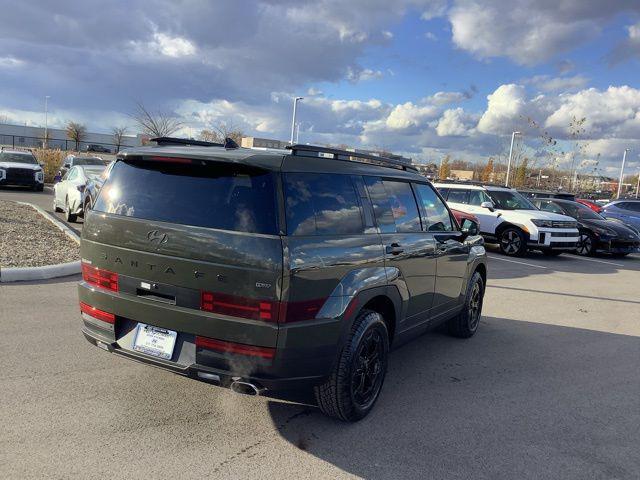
(23, 274)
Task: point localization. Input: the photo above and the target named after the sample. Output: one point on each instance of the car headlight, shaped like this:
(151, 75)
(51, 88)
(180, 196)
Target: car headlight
(3, 174)
(605, 232)
(542, 223)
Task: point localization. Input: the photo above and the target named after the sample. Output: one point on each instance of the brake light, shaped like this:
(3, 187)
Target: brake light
(232, 347)
(238, 306)
(299, 311)
(99, 277)
(98, 314)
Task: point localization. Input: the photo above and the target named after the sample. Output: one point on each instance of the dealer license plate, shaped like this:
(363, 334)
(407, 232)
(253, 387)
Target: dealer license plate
(155, 341)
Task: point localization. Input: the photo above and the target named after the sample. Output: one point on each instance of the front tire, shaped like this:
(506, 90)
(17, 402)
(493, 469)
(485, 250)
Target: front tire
(356, 380)
(513, 242)
(465, 324)
(586, 245)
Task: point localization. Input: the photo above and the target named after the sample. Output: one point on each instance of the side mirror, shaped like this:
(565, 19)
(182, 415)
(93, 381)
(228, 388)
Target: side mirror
(487, 205)
(469, 227)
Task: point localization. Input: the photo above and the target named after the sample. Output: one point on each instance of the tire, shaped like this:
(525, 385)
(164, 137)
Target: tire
(586, 244)
(551, 253)
(342, 395)
(71, 217)
(465, 324)
(56, 208)
(512, 242)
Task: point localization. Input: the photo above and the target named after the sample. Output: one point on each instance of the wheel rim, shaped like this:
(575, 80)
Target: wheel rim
(511, 242)
(584, 245)
(367, 375)
(475, 306)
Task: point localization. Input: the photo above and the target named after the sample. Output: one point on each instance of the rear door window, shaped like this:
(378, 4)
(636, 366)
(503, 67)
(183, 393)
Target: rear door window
(216, 195)
(381, 204)
(477, 197)
(437, 216)
(322, 204)
(403, 206)
(458, 196)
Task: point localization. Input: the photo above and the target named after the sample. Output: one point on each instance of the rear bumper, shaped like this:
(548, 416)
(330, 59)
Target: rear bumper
(305, 352)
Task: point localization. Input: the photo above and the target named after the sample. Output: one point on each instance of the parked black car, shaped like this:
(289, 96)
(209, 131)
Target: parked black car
(532, 193)
(597, 234)
(93, 147)
(273, 270)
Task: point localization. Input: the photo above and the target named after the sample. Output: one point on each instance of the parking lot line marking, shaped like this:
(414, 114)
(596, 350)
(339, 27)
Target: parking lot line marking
(621, 300)
(598, 261)
(515, 261)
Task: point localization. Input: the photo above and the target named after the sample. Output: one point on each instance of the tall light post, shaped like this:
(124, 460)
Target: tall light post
(297, 133)
(45, 141)
(624, 159)
(513, 136)
(293, 120)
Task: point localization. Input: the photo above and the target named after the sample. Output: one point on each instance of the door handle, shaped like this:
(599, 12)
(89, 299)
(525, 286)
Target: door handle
(394, 249)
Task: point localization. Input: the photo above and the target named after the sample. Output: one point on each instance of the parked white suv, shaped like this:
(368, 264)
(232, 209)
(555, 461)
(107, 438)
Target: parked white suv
(512, 221)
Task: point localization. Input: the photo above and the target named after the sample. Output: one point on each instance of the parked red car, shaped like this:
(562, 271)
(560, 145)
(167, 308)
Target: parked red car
(592, 205)
(460, 216)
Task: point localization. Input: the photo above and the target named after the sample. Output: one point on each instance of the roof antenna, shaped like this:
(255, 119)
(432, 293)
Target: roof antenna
(229, 143)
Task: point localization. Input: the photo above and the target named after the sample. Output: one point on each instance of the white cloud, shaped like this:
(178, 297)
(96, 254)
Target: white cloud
(444, 98)
(505, 105)
(455, 122)
(563, 84)
(10, 62)
(172, 46)
(408, 115)
(355, 76)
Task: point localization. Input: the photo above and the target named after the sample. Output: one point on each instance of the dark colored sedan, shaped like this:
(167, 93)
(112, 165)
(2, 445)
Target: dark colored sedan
(597, 234)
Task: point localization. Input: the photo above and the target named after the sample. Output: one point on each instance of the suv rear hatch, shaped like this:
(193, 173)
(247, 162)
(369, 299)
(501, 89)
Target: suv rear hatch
(194, 248)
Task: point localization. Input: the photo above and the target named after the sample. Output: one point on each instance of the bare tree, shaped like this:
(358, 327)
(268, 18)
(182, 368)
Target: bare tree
(221, 130)
(118, 136)
(156, 124)
(76, 132)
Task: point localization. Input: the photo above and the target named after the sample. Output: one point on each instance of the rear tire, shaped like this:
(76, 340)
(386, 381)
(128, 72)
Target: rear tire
(465, 324)
(356, 381)
(513, 242)
(71, 217)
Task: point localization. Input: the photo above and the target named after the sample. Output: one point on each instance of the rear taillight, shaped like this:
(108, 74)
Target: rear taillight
(98, 314)
(237, 348)
(99, 277)
(300, 311)
(239, 306)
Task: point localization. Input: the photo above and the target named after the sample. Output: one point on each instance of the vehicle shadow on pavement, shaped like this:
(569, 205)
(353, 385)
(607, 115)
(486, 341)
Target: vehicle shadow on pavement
(519, 400)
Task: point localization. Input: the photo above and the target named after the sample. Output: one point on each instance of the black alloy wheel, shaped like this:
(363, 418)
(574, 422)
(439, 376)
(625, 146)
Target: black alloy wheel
(585, 245)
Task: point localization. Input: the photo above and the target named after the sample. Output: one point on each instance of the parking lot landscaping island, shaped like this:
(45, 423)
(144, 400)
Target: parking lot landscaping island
(28, 239)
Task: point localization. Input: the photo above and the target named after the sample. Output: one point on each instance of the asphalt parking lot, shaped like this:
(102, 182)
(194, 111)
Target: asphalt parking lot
(547, 389)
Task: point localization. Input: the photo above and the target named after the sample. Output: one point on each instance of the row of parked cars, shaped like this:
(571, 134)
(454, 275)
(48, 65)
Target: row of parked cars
(547, 221)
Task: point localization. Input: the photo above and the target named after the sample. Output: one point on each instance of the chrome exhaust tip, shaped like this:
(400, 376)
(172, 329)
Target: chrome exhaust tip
(245, 388)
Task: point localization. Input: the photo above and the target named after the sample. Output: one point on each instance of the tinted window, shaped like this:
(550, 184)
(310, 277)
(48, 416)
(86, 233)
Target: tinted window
(509, 200)
(444, 192)
(580, 212)
(438, 219)
(18, 158)
(228, 197)
(403, 206)
(321, 204)
(381, 204)
(477, 197)
(458, 196)
(549, 206)
(635, 206)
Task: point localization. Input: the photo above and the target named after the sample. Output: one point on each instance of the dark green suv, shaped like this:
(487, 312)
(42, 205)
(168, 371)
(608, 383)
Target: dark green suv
(273, 270)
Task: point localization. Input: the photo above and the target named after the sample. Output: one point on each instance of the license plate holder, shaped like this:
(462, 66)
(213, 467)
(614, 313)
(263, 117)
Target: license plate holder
(154, 341)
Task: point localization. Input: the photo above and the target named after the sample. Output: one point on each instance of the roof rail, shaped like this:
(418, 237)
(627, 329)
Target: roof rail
(187, 142)
(470, 182)
(395, 161)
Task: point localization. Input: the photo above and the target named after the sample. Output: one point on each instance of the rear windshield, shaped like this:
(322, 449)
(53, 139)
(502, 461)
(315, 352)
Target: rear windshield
(88, 161)
(222, 196)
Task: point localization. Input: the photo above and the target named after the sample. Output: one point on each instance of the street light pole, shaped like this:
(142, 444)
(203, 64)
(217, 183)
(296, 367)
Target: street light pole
(624, 159)
(293, 120)
(45, 141)
(513, 136)
(297, 133)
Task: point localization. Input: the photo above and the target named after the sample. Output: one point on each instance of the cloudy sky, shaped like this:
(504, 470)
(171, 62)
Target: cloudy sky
(418, 77)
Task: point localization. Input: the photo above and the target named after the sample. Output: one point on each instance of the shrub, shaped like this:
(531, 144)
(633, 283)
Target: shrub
(51, 159)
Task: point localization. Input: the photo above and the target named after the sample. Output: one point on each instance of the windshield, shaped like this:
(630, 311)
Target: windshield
(18, 158)
(508, 200)
(581, 212)
(88, 161)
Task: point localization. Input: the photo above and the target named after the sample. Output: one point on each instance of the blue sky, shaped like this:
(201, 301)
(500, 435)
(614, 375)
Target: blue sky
(424, 78)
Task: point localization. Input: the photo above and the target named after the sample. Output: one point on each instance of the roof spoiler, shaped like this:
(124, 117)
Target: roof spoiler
(187, 142)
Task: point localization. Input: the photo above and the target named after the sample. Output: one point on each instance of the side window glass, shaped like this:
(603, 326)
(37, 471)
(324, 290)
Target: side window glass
(367, 210)
(458, 196)
(476, 197)
(403, 206)
(381, 204)
(438, 218)
(321, 204)
(444, 192)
